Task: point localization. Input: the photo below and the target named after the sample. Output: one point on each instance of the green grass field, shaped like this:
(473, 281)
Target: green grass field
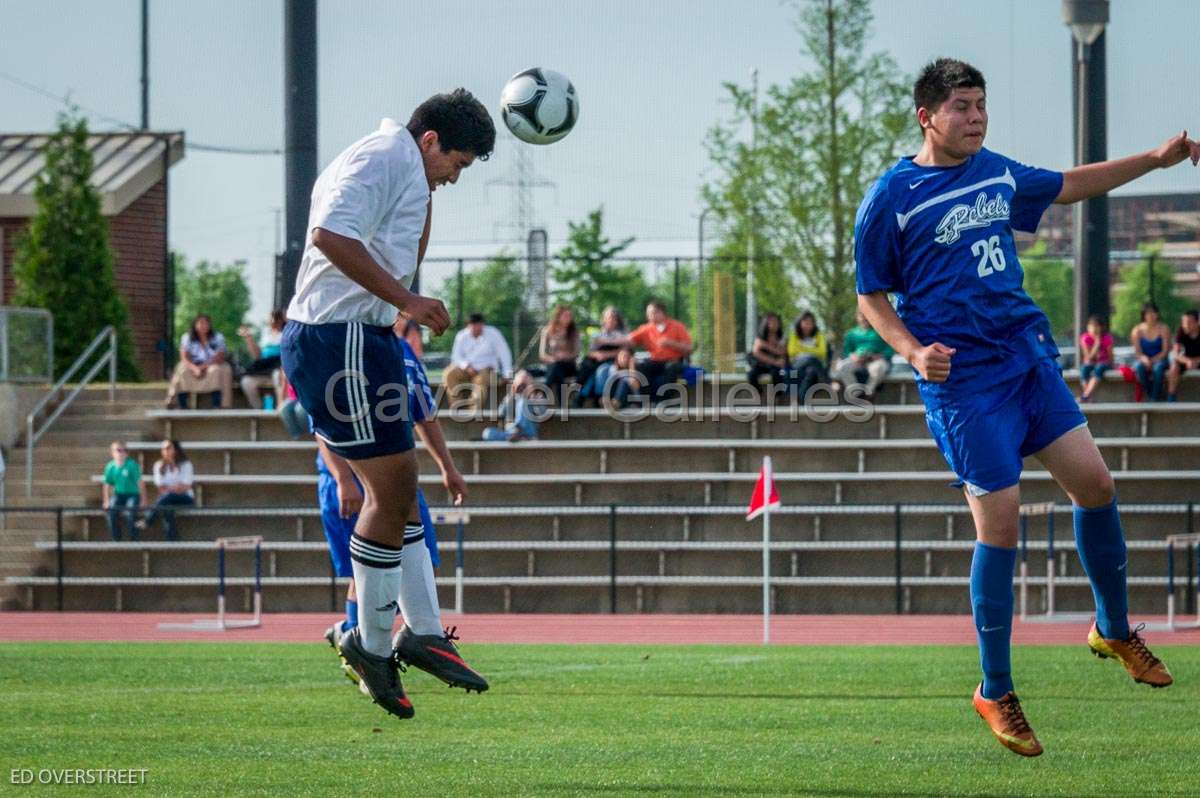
(244, 719)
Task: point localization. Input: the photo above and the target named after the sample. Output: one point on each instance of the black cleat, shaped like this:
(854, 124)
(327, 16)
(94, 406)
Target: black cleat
(379, 677)
(332, 635)
(437, 656)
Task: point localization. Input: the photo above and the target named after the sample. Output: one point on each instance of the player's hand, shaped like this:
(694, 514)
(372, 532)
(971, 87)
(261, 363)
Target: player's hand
(1176, 149)
(456, 486)
(933, 362)
(428, 312)
(350, 500)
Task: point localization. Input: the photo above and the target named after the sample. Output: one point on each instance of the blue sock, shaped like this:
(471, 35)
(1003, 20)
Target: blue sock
(351, 616)
(1101, 546)
(992, 606)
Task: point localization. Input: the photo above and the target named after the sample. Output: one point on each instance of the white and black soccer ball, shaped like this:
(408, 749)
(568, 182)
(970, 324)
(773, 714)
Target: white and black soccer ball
(539, 105)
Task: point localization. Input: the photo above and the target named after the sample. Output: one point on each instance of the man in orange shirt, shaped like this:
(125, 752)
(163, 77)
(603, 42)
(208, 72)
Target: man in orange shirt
(668, 343)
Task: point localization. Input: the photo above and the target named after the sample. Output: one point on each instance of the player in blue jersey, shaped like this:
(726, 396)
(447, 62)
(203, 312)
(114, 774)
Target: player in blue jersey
(421, 642)
(936, 231)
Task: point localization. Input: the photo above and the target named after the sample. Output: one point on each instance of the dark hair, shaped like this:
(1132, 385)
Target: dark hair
(762, 326)
(1094, 318)
(1149, 306)
(806, 315)
(1195, 314)
(571, 331)
(617, 314)
(460, 120)
(475, 318)
(278, 318)
(657, 303)
(180, 454)
(940, 78)
(195, 335)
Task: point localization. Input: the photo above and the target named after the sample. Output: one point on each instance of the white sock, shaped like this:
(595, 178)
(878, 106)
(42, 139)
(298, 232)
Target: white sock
(418, 591)
(377, 580)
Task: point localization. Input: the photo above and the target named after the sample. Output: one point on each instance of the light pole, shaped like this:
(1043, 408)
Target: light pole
(751, 303)
(1087, 20)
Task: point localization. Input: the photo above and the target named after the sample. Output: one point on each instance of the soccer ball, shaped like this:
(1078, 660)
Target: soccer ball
(539, 105)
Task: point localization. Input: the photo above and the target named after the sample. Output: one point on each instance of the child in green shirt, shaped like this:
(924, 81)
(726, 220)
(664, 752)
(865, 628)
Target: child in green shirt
(123, 489)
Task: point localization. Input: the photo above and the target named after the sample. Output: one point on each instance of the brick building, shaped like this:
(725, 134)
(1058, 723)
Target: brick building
(130, 173)
(1133, 219)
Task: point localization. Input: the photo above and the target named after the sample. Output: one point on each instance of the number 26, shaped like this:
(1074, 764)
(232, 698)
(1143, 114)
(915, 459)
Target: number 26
(991, 256)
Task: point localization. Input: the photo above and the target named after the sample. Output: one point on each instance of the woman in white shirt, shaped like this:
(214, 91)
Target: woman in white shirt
(173, 476)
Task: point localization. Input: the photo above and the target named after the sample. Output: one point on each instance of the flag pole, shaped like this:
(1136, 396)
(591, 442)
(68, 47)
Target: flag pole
(766, 576)
(767, 554)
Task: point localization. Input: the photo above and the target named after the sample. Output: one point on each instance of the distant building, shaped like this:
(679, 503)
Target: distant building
(131, 175)
(1136, 219)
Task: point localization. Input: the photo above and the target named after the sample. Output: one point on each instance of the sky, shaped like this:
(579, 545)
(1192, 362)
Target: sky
(648, 73)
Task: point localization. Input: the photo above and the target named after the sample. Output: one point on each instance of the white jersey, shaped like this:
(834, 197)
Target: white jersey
(375, 192)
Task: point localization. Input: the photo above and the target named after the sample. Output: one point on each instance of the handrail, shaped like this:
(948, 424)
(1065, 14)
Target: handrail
(32, 436)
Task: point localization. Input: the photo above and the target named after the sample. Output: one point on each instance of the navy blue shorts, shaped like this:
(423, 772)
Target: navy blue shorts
(338, 529)
(985, 436)
(350, 378)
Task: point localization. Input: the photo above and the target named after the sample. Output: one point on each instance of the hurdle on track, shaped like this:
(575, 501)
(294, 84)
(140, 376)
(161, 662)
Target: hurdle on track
(1190, 543)
(460, 518)
(221, 622)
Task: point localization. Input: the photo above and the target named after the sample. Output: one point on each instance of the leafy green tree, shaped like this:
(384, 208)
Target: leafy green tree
(587, 278)
(497, 290)
(63, 262)
(216, 290)
(822, 138)
(1135, 290)
(1050, 283)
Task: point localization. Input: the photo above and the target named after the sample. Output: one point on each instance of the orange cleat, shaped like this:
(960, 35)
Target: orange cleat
(1007, 722)
(1132, 653)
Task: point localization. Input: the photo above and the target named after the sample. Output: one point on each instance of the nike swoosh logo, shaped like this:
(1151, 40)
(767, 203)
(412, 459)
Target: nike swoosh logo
(389, 606)
(1017, 741)
(990, 628)
(1121, 567)
(919, 182)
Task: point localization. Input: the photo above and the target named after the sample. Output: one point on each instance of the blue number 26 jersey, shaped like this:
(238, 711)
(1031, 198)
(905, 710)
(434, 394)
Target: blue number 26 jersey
(941, 239)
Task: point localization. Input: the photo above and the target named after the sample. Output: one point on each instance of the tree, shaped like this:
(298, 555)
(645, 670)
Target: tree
(1050, 283)
(497, 290)
(63, 262)
(214, 290)
(588, 279)
(1135, 290)
(822, 138)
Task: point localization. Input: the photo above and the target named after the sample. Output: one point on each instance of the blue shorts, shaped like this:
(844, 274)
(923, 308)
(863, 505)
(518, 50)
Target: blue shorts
(338, 529)
(350, 378)
(986, 435)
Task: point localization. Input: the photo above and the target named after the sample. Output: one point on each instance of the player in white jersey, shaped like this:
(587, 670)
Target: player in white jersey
(368, 226)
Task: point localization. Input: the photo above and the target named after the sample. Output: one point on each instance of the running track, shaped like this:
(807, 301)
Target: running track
(640, 629)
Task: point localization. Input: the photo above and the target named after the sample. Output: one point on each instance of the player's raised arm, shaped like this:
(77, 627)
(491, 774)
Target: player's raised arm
(1094, 179)
(933, 361)
(352, 259)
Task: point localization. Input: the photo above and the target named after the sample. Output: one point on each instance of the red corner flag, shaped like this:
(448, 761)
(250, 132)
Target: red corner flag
(765, 496)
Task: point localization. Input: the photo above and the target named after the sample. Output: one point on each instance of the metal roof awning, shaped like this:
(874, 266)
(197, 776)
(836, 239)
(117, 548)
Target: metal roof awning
(125, 166)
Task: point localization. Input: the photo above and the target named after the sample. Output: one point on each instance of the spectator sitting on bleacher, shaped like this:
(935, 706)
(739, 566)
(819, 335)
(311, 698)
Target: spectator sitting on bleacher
(1150, 346)
(1187, 351)
(559, 349)
(668, 343)
(602, 353)
(123, 490)
(410, 331)
(203, 366)
(478, 356)
(866, 358)
(1095, 356)
(768, 358)
(622, 381)
(261, 374)
(173, 476)
(808, 352)
(517, 409)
